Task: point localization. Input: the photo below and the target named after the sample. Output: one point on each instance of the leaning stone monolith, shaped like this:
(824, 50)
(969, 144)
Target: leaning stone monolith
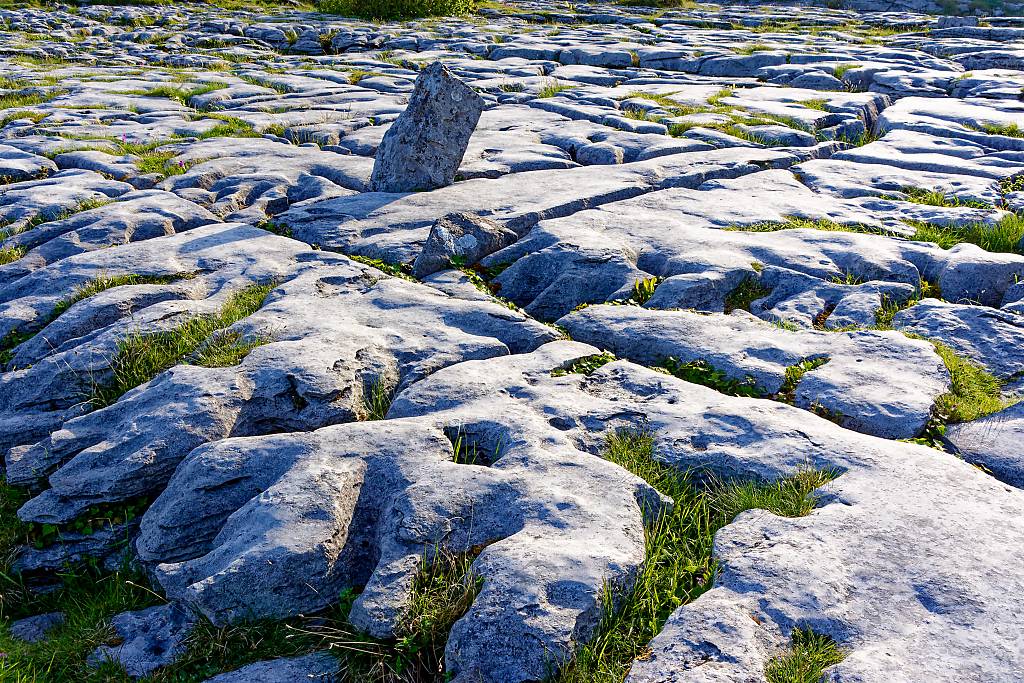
(425, 145)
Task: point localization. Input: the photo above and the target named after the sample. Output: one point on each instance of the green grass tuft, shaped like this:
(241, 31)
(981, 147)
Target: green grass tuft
(974, 393)
(11, 254)
(679, 565)
(552, 88)
(1005, 236)
(704, 373)
(585, 366)
(377, 400)
(810, 654)
(643, 290)
(746, 293)
(140, 356)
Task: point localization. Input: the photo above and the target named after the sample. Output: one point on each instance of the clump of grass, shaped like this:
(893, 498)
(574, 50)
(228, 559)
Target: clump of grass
(752, 48)
(88, 598)
(1010, 129)
(586, 365)
(401, 270)
(679, 565)
(842, 69)
(90, 289)
(716, 99)
(141, 357)
(704, 373)
(377, 399)
(920, 195)
(1005, 236)
(179, 93)
(974, 393)
(389, 10)
(552, 88)
(797, 223)
(818, 104)
(27, 98)
(810, 654)
(10, 254)
(795, 373)
(746, 293)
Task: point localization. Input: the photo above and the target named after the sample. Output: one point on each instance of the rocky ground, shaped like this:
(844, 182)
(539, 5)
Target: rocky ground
(777, 242)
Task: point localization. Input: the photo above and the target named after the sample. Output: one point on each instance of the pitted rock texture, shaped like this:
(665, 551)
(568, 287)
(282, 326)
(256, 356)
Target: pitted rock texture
(490, 232)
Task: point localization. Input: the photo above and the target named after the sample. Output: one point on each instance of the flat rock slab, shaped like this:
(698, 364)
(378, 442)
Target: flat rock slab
(854, 385)
(151, 638)
(994, 443)
(37, 628)
(990, 337)
(319, 667)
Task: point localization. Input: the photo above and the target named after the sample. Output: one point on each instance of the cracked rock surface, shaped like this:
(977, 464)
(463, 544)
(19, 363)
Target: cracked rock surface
(393, 285)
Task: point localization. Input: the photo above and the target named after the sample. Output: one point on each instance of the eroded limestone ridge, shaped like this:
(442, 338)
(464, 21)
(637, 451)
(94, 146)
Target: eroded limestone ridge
(568, 343)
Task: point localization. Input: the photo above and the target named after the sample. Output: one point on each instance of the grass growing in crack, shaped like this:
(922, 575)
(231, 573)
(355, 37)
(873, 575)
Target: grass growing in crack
(679, 565)
(390, 10)
(795, 373)
(920, 195)
(552, 88)
(89, 289)
(974, 392)
(585, 366)
(746, 293)
(179, 94)
(810, 654)
(27, 99)
(377, 400)
(704, 373)
(11, 254)
(140, 356)
(397, 269)
(1005, 236)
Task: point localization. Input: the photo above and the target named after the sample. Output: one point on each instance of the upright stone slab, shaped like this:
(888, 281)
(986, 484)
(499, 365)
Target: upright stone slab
(425, 145)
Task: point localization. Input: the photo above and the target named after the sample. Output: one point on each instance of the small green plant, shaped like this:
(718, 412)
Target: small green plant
(643, 290)
(11, 254)
(819, 104)
(704, 373)
(745, 294)
(140, 356)
(920, 195)
(585, 366)
(716, 99)
(390, 10)
(842, 70)
(401, 270)
(179, 93)
(810, 654)
(377, 399)
(794, 374)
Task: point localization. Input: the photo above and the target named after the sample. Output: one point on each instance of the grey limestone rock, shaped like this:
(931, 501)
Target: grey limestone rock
(462, 236)
(424, 147)
(319, 667)
(152, 638)
(36, 628)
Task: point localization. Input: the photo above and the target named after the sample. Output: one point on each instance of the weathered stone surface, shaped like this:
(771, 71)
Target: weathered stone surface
(424, 147)
(319, 667)
(152, 638)
(37, 628)
(694, 149)
(460, 236)
(994, 442)
(854, 386)
(990, 337)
